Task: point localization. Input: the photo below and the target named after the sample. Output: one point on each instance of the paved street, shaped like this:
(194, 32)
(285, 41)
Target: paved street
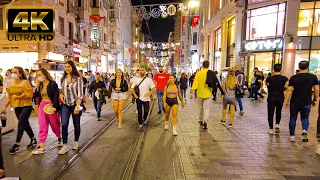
(244, 152)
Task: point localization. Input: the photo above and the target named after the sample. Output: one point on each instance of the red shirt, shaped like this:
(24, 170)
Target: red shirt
(162, 80)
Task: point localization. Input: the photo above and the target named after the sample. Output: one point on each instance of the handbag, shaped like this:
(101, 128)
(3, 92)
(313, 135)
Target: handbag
(136, 88)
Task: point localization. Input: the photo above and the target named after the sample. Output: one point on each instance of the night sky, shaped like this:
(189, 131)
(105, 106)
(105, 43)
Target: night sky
(159, 27)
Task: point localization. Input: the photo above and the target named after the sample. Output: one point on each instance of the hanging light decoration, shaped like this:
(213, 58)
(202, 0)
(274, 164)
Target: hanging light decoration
(149, 45)
(172, 10)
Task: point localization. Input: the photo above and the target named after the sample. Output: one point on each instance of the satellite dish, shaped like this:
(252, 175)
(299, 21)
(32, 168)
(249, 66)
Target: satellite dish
(5, 2)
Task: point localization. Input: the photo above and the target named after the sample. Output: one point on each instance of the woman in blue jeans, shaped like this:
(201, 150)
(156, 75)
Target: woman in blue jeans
(71, 97)
(183, 85)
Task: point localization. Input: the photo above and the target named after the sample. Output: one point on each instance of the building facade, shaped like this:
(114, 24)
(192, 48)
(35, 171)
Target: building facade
(277, 31)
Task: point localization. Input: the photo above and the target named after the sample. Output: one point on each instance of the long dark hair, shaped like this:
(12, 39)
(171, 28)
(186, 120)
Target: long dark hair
(74, 71)
(122, 76)
(176, 81)
(21, 71)
(46, 74)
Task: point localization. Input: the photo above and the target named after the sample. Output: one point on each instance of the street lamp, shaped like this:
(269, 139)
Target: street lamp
(193, 4)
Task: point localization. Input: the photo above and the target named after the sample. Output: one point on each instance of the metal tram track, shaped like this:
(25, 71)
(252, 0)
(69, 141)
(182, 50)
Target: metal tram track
(134, 158)
(85, 147)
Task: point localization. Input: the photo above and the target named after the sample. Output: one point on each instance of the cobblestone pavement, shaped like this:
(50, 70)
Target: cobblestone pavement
(245, 151)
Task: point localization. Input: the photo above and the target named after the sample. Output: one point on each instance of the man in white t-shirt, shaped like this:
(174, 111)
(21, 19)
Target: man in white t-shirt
(144, 95)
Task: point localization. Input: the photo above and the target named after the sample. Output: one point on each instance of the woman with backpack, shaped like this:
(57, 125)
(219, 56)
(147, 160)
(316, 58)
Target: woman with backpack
(117, 92)
(170, 101)
(229, 87)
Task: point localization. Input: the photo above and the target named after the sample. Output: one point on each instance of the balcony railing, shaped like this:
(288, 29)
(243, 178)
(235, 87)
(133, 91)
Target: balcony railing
(72, 9)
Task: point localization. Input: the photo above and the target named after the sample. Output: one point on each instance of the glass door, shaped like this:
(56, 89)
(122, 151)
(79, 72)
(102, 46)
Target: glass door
(277, 58)
(250, 66)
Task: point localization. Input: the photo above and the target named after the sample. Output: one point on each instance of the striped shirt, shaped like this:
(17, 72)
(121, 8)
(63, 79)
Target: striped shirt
(72, 91)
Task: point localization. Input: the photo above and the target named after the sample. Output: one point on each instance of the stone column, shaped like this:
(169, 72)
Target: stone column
(224, 44)
(237, 35)
(291, 25)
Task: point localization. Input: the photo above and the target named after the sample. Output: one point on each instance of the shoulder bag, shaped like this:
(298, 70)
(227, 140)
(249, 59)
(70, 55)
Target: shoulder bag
(136, 88)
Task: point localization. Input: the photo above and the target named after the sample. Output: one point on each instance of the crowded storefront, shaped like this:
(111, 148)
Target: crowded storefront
(308, 42)
(265, 30)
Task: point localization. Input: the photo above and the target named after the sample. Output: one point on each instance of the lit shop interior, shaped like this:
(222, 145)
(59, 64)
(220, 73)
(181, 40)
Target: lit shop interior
(265, 29)
(308, 42)
(23, 59)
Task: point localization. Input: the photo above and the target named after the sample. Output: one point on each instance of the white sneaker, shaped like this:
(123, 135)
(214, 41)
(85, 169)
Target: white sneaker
(174, 130)
(292, 139)
(64, 149)
(75, 145)
(39, 151)
(136, 111)
(270, 131)
(318, 149)
(166, 125)
(277, 129)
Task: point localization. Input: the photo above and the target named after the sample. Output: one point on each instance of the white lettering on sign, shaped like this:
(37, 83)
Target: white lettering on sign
(261, 45)
(62, 50)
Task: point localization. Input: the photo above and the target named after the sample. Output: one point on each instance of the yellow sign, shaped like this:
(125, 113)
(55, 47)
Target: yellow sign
(31, 24)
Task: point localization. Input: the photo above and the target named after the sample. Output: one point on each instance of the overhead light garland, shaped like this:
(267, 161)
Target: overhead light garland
(158, 45)
(163, 10)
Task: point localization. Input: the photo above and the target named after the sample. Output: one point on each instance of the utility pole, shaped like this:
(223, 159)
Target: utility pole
(244, 33)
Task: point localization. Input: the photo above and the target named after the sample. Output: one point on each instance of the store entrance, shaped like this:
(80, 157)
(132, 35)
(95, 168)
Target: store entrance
(264, 61)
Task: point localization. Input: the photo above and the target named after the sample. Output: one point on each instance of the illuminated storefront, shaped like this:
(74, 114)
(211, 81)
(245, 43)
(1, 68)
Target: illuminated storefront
(217, 49)
(231, 42)
(265, 30)
(308, 42)
(23, 59)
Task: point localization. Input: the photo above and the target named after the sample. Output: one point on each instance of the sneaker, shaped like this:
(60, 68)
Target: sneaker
(75, 145)
(166, 125)
(230, 126)
(14, 149)
(222, 122)
(140, 127)
(174, 130)
(241, 113)
(33, 143)
(318, 149)
(270, 131)
(39, 151)
(136, 111)
(205, 125)
(64, 149)
(59, 144)
(159, 112)
(292, 139)
(145, 123)
(305, 136)
(277, 129)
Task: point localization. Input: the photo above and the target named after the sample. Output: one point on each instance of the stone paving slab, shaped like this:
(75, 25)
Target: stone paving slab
(245, 151)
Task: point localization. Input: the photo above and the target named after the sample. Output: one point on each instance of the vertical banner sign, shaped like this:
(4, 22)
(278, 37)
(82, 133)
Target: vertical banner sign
(183, 21)
(30, 24)
(195, 20)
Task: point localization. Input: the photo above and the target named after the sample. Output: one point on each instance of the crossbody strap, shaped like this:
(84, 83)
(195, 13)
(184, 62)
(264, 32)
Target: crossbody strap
(142, 81)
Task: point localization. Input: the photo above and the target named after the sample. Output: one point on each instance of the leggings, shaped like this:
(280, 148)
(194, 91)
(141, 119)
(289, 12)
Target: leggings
(23, 115)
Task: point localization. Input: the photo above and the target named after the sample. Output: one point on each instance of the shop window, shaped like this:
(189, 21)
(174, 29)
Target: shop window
(195, 38)
(1, 19)
(316, 23)
(94, 3)
(266, 22)
(105, 4)
(305, 22)
(314, 66)
(61, 26)
(217, 44)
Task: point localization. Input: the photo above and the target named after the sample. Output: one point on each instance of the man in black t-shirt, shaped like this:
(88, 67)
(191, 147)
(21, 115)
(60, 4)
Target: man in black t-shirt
(276, 86)
(300, 87)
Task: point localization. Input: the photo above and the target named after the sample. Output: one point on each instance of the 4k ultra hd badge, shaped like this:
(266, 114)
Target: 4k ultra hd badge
(31, 24)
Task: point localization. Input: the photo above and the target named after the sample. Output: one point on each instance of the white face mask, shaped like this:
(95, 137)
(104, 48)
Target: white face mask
(14, 76)
(41, 78)
(138, 75)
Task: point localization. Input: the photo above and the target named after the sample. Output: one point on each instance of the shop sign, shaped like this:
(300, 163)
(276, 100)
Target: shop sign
(95, 35)
(62, 50)
(264, 45)
(76, 50)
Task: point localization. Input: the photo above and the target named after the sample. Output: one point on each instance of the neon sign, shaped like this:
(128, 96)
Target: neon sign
(264, 45)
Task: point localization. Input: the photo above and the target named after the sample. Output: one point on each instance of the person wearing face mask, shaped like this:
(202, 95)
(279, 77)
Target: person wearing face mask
(20, 98)
(48, 92)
